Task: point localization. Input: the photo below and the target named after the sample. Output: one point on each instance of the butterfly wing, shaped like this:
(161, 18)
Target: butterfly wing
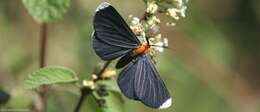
(141, 81)
(112, 37)
(106, 51)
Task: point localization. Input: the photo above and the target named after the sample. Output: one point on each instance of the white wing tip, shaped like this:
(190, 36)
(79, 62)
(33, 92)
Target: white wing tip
(92, 34)
(102, 6)
(166, 104)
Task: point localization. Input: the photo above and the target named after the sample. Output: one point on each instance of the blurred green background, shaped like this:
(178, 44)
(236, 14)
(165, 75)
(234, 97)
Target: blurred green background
(213, 66)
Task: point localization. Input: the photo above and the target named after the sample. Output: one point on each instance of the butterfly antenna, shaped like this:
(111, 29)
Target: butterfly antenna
(166, 47)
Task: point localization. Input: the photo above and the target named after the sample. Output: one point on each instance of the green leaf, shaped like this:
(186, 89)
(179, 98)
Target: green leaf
(44, 11)
(50, 75)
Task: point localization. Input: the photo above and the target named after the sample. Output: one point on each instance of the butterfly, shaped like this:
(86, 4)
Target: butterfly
(139, 80)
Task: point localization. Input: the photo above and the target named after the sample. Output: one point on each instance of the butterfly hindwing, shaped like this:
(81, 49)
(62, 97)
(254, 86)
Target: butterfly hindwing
(126, 81)
(126, 59)
(141, 81)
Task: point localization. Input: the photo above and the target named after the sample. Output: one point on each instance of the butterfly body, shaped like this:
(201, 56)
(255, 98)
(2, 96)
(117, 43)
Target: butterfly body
(139, 80)
(141, 49)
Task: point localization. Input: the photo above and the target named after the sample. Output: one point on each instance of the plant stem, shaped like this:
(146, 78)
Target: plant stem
(84, 93)
(87, 91)
(82, 97)
(40, 107)
(43, 43)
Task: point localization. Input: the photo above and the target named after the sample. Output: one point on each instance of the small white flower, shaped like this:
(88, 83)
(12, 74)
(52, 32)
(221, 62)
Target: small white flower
(135, 21)
(109, 73)
(159, 46)
(165, 42)
(157, 20)
(94, 76)
(89, 84)
(183, 11)
(153, 21)
(151, 7)
(173, 12)
(158, 37)
(136, 26)
(170, 24)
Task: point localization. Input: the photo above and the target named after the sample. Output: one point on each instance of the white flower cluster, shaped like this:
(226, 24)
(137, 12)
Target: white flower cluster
(148, 25)
(152, 7)
(155, 39)
(152, 21)
(136, 26)
(177, 12)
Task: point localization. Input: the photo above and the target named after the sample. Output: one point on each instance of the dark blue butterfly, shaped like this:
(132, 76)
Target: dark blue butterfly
(140, 80)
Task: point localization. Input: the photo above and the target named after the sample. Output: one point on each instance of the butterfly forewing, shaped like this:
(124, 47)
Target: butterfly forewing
(112, 38)
(106, 51)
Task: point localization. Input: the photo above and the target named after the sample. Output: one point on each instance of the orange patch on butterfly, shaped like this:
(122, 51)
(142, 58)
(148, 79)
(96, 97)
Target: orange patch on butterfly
(142, 48)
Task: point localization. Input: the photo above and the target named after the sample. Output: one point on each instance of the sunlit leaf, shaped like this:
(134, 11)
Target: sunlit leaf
(44, 11)
(50, 75)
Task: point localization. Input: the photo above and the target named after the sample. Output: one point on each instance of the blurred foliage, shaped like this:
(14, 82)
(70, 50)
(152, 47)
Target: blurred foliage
(44, 11)
(212, 66)
(62, 98)
(4, 97)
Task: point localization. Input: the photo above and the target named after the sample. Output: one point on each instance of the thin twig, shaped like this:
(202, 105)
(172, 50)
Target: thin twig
(40, 107)
(102, 70)
(84, 93)
(87, 91)
(82, 97)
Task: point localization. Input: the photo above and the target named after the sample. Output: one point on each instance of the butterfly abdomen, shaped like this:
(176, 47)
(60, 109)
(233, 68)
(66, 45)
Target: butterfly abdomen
(132, 55)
